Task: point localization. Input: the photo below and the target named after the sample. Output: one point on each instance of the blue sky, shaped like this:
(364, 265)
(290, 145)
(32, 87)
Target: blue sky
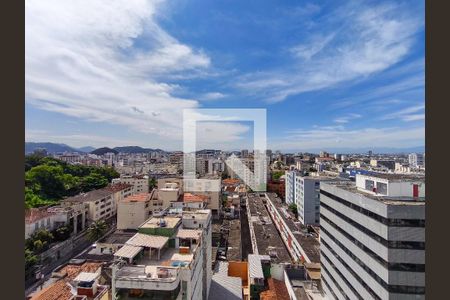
(331, 74)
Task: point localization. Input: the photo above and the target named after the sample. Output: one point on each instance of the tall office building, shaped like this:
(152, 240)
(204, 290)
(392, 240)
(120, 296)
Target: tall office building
(373, 237)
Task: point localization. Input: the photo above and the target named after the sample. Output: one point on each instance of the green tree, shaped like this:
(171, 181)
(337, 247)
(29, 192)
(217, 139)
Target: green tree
(46, 180)
(93, 182)
(293, 208)
(97, 230)
(152, 183)
(30, 259)
(277, 174)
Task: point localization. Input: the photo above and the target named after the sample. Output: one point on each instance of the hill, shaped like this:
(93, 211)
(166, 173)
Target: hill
(87, 149)
(52, 148)
(103, 150)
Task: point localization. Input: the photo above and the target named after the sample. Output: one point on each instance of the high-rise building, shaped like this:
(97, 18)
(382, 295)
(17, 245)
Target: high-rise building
(303, 191)
(372, 237)
(307, 198)
(244, 153)
(290, 187)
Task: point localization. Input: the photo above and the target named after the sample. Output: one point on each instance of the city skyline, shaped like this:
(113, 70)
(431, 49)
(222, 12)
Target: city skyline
(331, 75)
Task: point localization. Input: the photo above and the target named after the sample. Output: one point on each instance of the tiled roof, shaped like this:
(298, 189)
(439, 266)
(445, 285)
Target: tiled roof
(34, 214)
(118, 187)
(188, 197)
(141, 197)
(60, 290)
(90, 196)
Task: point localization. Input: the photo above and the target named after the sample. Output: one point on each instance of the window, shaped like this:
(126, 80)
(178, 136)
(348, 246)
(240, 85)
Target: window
(382, 188)
(370, 184)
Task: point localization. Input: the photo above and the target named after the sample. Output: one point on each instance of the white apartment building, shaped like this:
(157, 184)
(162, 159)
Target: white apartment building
(139, 182)
(101, 203)
(304, 191)
(416, 160)
(307, 198)
(169, 258)
(290, 187)
(373, 237)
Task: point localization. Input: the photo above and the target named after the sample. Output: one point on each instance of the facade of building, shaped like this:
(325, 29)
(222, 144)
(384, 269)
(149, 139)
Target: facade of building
(373, 238)
(303, 191)
(100, 203)
(290, 187)
(169, 258)
(133, 210)
(416, 160)
(139, 182)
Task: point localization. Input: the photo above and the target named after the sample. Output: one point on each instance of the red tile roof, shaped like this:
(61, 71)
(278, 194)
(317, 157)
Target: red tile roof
(35, 214)
(60, 290)
(118, 187)
(188, 197)
(141, 197)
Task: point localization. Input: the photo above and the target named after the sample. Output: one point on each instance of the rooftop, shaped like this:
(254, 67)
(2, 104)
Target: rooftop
(224, 286)
(268, 239)
(149, 241)
(398, 177)
(141, 197)
(90, 196)
(277, 291)
(118, 187)
(60, 290)
(351, 187)
(170, 222)
(117, 237)
(308, 242)
(35, 214)
(188, 197)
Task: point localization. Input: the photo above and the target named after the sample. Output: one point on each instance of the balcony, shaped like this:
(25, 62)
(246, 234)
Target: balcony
(149, 278)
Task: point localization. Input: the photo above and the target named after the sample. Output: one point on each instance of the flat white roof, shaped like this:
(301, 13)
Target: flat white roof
(128, 251)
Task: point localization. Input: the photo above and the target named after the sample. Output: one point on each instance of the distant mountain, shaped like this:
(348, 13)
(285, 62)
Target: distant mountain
(87, 149)
(103, 150)
(132, 149)
(136, 149)
(51, 148)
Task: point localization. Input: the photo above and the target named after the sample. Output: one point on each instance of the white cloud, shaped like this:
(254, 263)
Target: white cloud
(407, 114)
(340, 137)
(347, 118)
(212, 96)
(108, 61)
(375, 39)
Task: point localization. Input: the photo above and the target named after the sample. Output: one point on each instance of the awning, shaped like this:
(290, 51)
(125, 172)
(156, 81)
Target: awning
(148, 241)
(189, 233)
(128, 251)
